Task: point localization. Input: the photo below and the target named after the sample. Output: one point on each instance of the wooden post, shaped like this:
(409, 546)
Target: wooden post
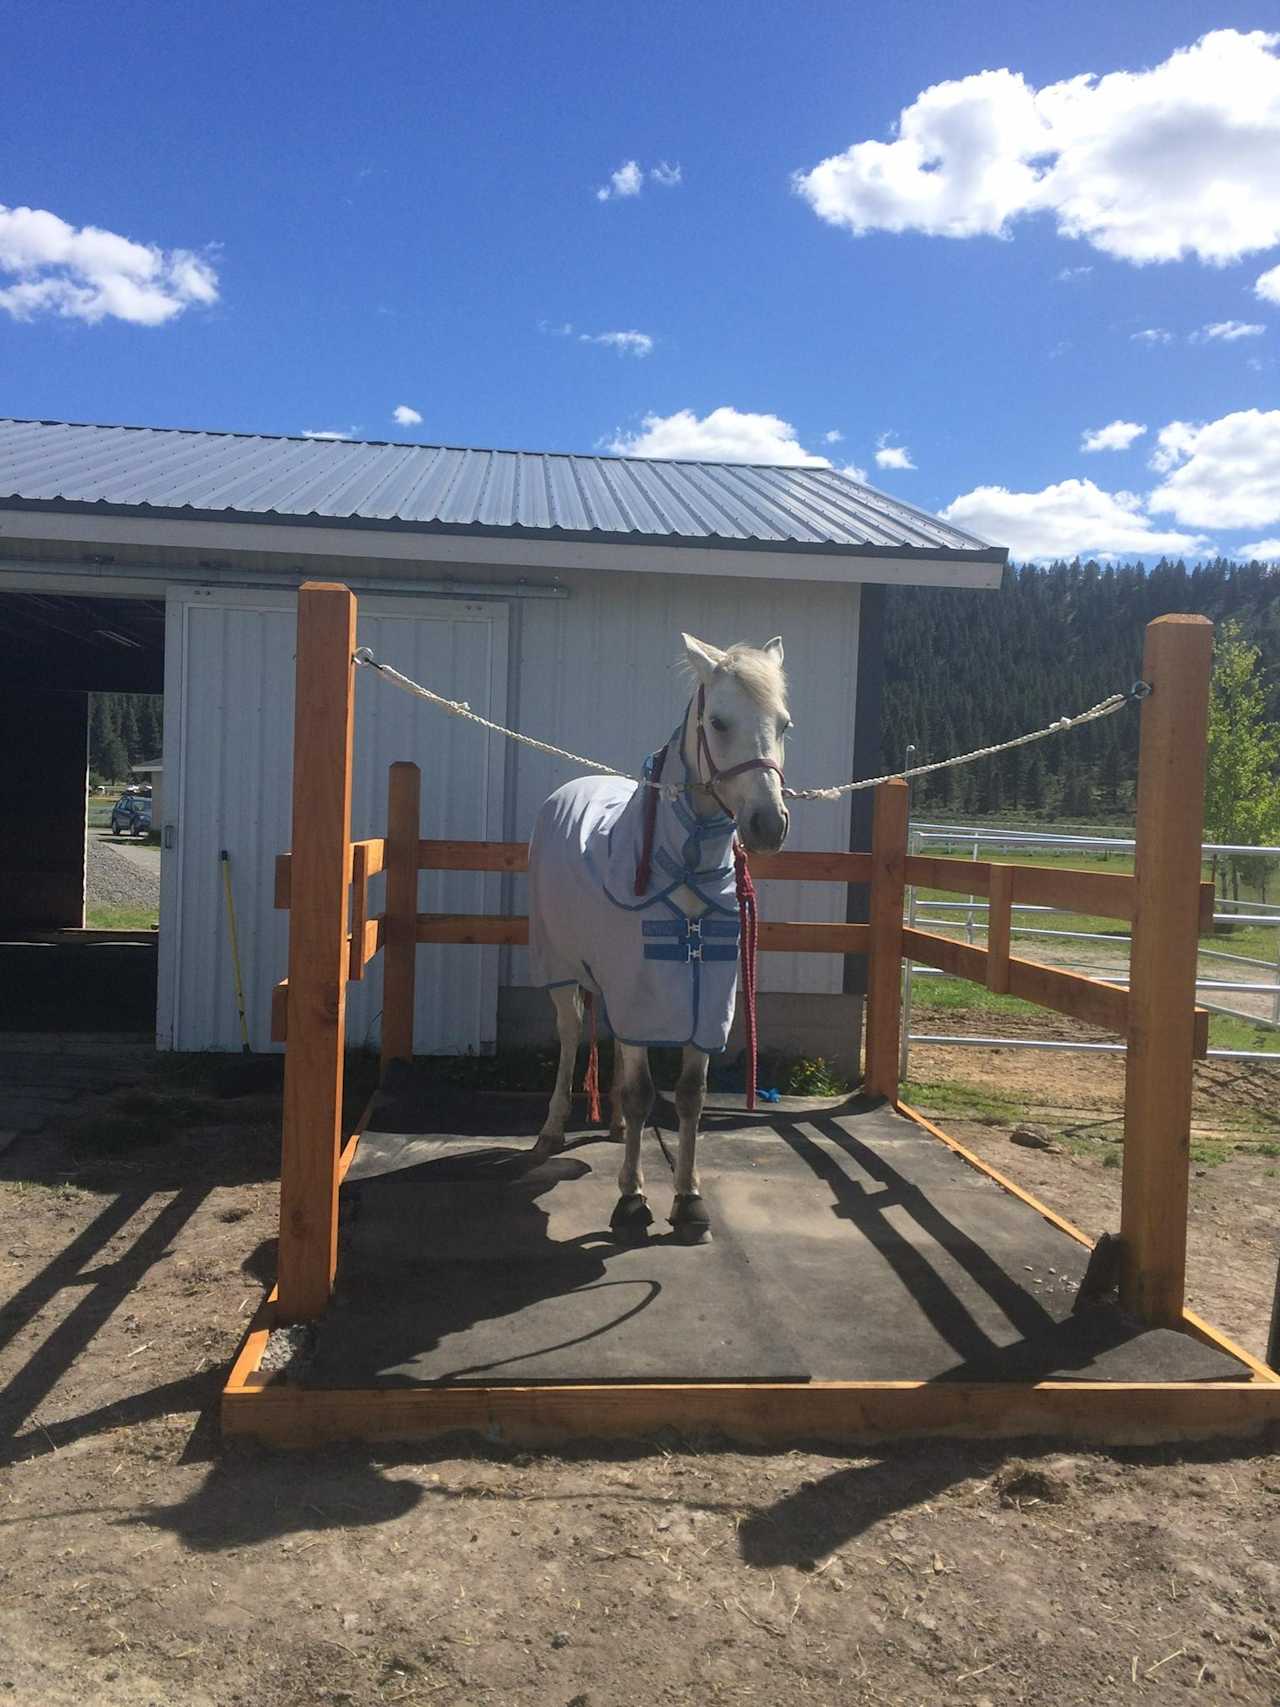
(400, 944)
(884, 966)
(999, 928)
(321, 859)
(1177, 662)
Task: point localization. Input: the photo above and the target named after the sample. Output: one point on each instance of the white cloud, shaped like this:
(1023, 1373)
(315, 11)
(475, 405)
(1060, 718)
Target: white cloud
(1069, 275)
(626, 343)
(892, 456)
(309, 433)
(1150, 165)
(855, 473)
(1117, 435)
(834, 437)
(1173, 443)
(1263, 550)
(1267, 285)
(724, 435)
(628, 180)
(404, 416)
(1224, 474)
(1073, 518)
(1227, 331)
(1151, 335)
(89, 274)
(563, 330)
(630, 177)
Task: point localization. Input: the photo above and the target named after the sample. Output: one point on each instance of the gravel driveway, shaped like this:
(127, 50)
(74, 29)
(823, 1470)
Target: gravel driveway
(120, 873)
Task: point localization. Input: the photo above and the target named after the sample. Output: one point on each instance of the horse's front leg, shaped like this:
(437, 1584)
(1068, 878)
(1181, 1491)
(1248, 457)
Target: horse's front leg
(633, 1083)
(689, 1213)
(566, 999)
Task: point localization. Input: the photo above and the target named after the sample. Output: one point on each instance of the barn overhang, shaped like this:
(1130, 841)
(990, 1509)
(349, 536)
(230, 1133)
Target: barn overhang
(404, 550)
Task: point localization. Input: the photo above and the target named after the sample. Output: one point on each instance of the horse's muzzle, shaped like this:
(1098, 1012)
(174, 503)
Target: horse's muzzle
(763, 829)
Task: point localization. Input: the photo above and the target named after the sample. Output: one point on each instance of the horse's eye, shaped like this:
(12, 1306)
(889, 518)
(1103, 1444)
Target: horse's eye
(719, 725)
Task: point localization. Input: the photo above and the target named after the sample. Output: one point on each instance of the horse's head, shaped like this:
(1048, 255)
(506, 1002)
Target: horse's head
(737, 726)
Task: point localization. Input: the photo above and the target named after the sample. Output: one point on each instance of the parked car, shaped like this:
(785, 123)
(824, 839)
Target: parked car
(132, 812)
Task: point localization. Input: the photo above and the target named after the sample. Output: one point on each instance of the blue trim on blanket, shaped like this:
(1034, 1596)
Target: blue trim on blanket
(685, 926)
(683, 951)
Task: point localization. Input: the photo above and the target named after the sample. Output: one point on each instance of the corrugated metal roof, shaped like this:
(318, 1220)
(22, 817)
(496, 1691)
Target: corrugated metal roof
(443, 489)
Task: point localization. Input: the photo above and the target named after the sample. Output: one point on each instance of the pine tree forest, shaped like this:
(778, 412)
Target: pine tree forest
(967, 669)
(124, 729)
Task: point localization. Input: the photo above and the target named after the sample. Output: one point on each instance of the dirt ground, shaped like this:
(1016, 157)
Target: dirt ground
(145, 1563)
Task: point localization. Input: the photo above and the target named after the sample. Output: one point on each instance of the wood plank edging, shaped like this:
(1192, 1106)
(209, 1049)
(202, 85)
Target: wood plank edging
(769, 1413)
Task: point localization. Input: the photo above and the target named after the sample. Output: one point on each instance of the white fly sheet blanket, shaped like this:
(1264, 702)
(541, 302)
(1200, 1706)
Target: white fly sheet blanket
(663, 977)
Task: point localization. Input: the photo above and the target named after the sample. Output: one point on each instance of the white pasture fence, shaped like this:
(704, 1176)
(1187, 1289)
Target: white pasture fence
(970, 916)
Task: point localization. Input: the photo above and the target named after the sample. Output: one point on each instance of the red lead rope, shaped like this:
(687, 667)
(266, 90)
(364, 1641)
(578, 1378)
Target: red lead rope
(750, 931)
(592, 1085)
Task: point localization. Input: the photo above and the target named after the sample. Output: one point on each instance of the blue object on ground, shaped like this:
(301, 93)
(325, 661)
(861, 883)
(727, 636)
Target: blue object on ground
(768, 1096)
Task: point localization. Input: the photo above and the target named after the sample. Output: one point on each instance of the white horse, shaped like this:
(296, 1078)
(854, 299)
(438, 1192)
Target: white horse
(632, 898)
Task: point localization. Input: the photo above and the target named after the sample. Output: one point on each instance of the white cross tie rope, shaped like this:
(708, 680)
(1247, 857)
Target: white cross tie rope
(459, 708)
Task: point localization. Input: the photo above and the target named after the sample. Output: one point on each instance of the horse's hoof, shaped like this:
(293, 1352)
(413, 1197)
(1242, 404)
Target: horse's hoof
(549, 1144)
(631, 1218)
(690, 1219)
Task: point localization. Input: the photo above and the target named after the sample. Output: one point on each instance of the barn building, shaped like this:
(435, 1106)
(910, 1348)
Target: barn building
(546, 590)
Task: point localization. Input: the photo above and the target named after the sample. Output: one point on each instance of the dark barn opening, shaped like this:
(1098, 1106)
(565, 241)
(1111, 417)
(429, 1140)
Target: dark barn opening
(55, 974)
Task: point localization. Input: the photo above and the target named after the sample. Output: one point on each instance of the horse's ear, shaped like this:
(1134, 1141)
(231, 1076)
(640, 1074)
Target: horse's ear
(701, 658)
(774, 648)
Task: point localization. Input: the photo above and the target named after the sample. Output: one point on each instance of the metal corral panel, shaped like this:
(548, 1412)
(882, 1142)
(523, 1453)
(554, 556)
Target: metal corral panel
(435, 488)
(598, 673)
(228, 770)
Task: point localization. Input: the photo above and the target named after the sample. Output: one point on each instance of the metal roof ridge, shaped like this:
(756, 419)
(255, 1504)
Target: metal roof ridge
(418, 444)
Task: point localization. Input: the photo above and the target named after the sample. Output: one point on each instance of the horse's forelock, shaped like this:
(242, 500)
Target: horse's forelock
(757, 673)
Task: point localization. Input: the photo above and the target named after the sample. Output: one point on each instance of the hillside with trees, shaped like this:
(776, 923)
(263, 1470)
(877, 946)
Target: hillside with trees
(966, 669)
(124, 729)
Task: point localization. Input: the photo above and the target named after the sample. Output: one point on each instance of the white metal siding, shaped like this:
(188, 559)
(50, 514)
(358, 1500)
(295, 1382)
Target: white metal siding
(597, 673)
(228, 770)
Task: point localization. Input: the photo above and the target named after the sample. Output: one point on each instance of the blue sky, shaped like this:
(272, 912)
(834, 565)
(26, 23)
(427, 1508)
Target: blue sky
(345, 210)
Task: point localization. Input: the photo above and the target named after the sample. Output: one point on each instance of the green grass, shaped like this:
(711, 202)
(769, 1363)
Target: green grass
(936, 1000)
(954, 1096)
(121, 918)
(958, 995)
(1206, 1154)
(1242, 1034)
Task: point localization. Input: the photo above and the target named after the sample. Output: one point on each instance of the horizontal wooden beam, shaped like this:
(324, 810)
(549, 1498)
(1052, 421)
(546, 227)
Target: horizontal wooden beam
(485, 928)
(763, 1412)
(374, 936)
(1103, 894)
(473, 856)
(514, 856)
(1064, 992)
(777, 936)
(804, 867)
(375, 856)
(280, 1011)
